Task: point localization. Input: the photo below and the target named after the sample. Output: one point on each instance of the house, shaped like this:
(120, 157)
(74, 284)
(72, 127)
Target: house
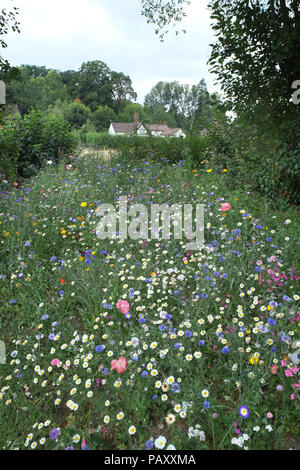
(139, 128)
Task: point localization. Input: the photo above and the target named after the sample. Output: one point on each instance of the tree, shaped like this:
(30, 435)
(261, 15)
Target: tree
(180, 104)
(36, 87)
(102, 117)
(8, 21)
(256, 54)
(256, 57)
(76, 114)
(121, 89)
(164, 13)
(93, 84)
(127, 112)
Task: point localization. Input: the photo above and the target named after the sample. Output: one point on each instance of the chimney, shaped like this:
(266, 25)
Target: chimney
(136, 117)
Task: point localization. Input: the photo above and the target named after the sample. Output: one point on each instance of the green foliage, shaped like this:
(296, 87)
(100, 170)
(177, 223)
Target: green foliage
(8, 22)
(171, 149)
(128, 109)
(76, 114)
(9, 151)
(28, 143)
(256, 56)
(184, 106)
(102, 117)
(163, 14)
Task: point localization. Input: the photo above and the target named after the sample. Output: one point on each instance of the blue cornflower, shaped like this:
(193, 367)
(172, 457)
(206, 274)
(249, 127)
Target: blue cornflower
(225, 350)
(99, 348)
(206, 404)
(148, 444)
(175, 387)
(201, 342)
(271, 321)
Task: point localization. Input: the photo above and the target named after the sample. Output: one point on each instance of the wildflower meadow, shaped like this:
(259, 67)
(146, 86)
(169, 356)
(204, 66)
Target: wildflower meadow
(140, 343)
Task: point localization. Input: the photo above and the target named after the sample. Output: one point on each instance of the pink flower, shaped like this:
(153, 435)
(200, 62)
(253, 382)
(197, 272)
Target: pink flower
(297, 385)
(288, 373)
(68, 167)
(269, 415)
(225, 206)
(292, 397)
(54, 362)
(123, 305)
(119, 364)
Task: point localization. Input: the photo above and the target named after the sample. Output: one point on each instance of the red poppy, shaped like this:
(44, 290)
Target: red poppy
(274, 369)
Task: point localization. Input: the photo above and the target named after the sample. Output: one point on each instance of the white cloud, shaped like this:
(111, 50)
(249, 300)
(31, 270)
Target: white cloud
(64, 33)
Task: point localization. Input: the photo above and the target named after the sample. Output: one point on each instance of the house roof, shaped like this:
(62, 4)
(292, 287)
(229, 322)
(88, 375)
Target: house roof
(128, 128)
(157, 127)
(123, 127)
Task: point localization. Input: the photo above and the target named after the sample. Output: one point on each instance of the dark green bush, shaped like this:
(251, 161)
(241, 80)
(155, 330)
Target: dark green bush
(76, 114)
(9, 151)
(30, 141)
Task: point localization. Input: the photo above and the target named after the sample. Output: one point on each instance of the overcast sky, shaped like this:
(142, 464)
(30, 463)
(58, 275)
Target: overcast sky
(62, 34)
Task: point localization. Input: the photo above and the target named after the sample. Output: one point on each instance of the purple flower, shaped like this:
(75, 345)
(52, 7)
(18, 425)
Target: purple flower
(69, 448)
(243, 412)
(54, 433)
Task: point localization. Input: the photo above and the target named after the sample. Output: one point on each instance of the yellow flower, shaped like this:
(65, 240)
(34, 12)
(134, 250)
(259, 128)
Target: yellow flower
(253, 360)
(209, 170)
(83, 204)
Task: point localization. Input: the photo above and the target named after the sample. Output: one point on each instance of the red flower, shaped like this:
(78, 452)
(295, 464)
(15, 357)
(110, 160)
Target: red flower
(274, 369)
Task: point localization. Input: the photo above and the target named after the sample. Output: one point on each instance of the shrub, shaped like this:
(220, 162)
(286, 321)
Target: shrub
(102, 117)
(171, 149)
(9, 152)
(34, 139)
(76, 114)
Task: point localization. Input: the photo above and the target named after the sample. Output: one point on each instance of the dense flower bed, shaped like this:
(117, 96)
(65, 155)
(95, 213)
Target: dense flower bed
(143, 344)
